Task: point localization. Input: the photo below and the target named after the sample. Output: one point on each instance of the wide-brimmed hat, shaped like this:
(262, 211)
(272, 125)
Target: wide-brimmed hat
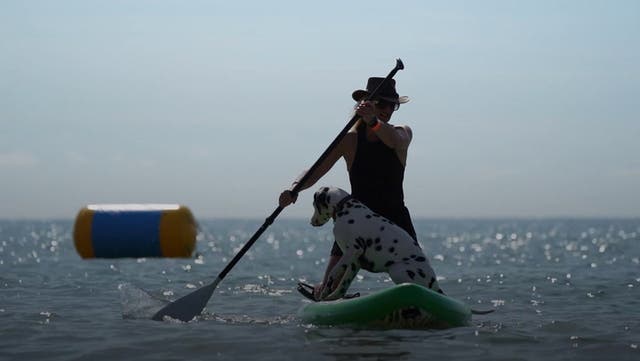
(387, 92)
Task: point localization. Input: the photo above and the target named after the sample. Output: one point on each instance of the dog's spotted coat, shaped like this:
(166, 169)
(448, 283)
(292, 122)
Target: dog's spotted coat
(368, 241)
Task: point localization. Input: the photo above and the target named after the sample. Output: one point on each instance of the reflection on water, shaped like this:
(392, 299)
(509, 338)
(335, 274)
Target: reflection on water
(563, 289)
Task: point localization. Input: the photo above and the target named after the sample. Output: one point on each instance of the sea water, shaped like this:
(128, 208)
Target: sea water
(562, 290)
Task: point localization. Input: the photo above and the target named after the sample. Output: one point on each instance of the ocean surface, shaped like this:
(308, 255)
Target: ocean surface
(562, 290)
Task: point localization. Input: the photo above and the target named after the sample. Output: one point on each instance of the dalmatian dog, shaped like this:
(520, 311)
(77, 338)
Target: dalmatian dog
(367, 241)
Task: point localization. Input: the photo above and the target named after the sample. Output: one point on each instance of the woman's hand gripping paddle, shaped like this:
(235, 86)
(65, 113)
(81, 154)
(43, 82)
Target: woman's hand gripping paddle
(191, 305)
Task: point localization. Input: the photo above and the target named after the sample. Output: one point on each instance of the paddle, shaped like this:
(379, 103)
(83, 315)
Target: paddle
(191, 305)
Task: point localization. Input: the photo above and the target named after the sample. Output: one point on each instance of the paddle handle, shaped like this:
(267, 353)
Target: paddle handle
(303, 180)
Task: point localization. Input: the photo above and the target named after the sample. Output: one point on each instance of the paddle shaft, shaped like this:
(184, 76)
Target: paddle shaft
(192, 304)
(305, 178)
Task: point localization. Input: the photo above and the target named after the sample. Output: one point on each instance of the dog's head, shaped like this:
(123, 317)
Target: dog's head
(325, 201)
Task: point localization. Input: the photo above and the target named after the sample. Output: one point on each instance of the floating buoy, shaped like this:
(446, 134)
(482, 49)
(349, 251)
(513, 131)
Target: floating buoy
(134, 230)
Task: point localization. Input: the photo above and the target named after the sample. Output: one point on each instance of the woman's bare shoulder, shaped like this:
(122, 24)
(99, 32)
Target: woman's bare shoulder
(347, 142)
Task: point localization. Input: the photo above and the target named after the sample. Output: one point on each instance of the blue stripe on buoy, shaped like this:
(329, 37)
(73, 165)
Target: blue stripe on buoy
(126, 234)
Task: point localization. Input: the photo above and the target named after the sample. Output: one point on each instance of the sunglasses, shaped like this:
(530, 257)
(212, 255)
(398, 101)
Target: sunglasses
(383, 104)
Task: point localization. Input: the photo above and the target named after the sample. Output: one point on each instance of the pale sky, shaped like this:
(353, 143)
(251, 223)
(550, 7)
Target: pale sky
(518, 108)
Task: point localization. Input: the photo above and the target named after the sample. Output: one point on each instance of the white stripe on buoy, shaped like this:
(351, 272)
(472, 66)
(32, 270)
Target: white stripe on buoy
(132, 207)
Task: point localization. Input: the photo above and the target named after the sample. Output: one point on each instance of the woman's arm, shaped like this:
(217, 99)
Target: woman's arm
(396, 137)
(287, 197)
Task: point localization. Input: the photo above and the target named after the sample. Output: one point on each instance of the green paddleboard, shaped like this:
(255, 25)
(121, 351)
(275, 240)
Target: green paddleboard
(401, 306)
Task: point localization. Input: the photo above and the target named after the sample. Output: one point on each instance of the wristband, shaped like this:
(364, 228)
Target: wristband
(376, 126)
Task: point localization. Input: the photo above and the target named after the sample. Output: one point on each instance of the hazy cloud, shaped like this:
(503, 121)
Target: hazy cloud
(17, 160)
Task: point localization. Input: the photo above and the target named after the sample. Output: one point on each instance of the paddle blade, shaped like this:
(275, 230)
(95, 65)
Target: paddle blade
(189, 306)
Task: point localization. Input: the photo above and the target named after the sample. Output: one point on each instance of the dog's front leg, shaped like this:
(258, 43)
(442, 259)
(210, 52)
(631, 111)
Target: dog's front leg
(341, 276)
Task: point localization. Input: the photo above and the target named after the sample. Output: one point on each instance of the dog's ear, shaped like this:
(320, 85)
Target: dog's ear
(321, 198)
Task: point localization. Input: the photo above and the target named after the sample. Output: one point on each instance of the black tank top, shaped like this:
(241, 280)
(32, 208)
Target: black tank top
(376, 177)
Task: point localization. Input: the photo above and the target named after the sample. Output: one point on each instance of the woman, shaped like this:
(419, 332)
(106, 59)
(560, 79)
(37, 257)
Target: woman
(375, 153)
